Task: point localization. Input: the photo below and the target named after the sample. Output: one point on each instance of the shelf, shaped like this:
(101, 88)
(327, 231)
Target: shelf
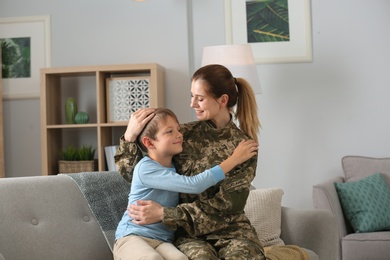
(71, 126)
(88, 85)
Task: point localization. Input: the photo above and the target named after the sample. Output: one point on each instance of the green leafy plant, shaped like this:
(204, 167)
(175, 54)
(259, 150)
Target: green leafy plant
(86, 153)
(71, 153)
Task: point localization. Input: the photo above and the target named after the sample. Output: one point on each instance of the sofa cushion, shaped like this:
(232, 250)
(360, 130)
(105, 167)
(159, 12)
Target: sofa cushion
(362, 246)
(366, 203)
(263, 208)
(359, 167)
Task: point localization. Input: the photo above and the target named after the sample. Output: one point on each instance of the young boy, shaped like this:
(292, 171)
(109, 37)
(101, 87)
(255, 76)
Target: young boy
(155, 179)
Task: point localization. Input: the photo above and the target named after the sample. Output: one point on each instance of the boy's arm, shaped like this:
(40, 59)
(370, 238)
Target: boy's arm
(154, 176)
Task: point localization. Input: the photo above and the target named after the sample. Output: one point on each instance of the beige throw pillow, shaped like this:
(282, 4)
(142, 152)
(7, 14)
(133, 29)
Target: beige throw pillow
(264, 210)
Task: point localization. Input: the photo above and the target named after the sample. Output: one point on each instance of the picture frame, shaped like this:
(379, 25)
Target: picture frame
(37, 29)
(297, 49)
(126, 95)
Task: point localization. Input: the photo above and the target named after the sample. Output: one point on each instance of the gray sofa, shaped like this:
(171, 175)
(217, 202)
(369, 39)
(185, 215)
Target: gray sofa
(355, 246)
(74, 217)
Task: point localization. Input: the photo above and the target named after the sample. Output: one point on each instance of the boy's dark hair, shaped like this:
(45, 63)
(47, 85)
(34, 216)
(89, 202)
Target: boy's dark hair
(151, 128)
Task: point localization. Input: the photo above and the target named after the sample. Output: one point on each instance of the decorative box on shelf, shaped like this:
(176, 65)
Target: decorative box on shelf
(125, 95)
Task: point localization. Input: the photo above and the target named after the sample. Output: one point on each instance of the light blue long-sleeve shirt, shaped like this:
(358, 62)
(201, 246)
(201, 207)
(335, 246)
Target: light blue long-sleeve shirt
(152, 181)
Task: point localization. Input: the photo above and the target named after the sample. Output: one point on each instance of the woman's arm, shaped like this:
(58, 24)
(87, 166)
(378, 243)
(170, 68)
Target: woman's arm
(128, 153)
(206, 215)
(203, 215)
(126, 157)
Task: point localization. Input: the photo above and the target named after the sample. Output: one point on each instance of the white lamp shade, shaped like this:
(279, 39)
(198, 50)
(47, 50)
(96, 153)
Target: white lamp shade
(238, 59)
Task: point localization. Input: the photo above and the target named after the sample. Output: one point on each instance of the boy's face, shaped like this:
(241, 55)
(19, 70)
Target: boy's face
(169, 139)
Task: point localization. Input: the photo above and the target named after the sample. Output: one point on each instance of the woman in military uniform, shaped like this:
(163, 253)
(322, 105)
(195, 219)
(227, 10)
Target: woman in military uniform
(211, 225)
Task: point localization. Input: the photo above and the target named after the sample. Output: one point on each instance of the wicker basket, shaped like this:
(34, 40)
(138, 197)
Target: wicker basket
(76, 166)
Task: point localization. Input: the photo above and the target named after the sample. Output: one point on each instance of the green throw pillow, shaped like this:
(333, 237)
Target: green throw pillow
(366, 203)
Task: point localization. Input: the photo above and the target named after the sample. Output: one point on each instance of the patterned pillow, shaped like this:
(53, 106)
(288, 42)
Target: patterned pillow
(264, 210)
(366, 203)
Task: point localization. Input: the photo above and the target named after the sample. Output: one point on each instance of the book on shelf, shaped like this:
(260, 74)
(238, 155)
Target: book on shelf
(110, 152)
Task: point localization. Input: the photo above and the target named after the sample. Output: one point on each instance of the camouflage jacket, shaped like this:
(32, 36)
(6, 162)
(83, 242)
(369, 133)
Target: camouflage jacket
(218, 212)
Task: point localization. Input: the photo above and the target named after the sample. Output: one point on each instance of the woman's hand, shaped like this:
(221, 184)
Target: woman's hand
(146, 212)
(137, 122)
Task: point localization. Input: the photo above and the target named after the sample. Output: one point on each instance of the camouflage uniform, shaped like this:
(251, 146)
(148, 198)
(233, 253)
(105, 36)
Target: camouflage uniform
(210, 225)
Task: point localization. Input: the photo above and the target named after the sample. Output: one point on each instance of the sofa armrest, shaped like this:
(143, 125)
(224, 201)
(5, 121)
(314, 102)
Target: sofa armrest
(312, 229)
(47, 217)
(325, 197)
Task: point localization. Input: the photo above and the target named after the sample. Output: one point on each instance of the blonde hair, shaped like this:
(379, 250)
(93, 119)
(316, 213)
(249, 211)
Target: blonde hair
(151, 128)
(220, 81)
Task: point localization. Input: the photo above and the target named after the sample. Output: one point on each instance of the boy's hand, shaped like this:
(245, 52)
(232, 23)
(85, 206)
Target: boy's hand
(245, 150)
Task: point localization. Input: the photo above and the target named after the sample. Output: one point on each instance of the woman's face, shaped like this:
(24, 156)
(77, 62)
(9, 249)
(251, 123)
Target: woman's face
(206, 107)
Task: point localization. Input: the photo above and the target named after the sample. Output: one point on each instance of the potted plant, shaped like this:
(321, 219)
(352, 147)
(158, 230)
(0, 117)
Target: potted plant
(77, 159)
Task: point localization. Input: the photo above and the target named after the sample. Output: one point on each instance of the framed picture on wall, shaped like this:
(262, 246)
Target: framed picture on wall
(25, 45)
(126, 95)
(278, 31)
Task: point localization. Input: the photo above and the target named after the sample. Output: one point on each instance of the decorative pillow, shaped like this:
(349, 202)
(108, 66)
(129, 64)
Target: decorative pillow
(366, 203)
(264, 210)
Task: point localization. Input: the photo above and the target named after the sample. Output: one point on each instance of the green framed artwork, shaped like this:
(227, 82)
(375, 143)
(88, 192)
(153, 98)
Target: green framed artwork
(25, 45)
(279, 31)
(16, 58)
